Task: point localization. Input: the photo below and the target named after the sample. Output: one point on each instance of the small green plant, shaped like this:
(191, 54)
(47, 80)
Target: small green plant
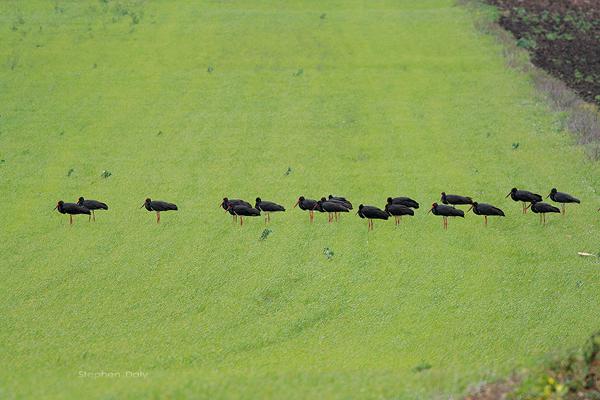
(423, 366)
(328, 253)
(265, 234)
(526, 43)
(299, 72)
(323, 16)
(71, 170)
(105, 174)
(289, 171)
(210, 69)
(515, 145)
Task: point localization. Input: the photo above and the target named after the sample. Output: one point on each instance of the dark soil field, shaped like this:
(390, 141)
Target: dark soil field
(563, 37)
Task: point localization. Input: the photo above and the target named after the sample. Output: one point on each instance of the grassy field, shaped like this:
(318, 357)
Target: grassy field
(189, 102)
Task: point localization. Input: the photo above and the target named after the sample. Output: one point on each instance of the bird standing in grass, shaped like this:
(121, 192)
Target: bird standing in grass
(543, 208)
(455, 200)
(371, 213)
(267, 207)
(307, 205)
(92, 205)
(226, 202)
(524, 196)
(562, 198)
(342, 200)
(330, 207)
(243, 211)
(405, 201)
(445, 212)
(71, 209)
(158, 206)
(397, 210)
(485, 210)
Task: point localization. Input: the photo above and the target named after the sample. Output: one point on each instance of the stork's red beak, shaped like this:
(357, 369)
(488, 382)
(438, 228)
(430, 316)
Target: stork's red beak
(470, 208)
(297, 201)
(507, 194)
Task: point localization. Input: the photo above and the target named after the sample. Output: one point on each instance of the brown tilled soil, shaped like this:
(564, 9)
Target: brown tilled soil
(563, 37)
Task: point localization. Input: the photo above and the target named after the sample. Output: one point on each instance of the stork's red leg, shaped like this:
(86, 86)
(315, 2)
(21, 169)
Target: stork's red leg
(94, 215)
(241, 221)
(158, 217)
(563, 208)
(70, 219)
(485, 218)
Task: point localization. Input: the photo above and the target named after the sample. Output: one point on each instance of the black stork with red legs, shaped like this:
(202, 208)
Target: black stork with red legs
(158, 206)
(405, 201)
(267, 207)
(541, 208)
(307, 205)
(371, 213)
(226, 202)
(487, 210)
(562, 198)
(242, 211)
(445, 211)
(397, 210)
(455, 200)
(71, 209)
(92, 205)
(524, 196)
(331, 208)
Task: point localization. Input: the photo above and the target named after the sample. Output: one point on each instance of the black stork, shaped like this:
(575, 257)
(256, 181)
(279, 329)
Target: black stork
(226, 202)
(267, 207)
(371, 213)
(243, 211)
(445, 212)
(158, 206)
(92, 205)
(485, 210)
(397, 210)
(405, 201)
(307, 205)
(71, 209)
(541, 208)
(562, 198)
(330, 207)
(455, 200)
(342, 200)
(524, 196)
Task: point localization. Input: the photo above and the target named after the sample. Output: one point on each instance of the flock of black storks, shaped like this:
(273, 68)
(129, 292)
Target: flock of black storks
(396, 207)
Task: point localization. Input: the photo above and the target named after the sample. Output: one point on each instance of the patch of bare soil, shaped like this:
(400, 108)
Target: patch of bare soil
(563, 37)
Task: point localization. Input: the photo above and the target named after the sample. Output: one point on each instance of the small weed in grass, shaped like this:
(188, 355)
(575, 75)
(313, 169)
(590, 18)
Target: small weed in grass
(515, 145)
(265, 233)
(210, 69)
(299, 72)
(328, 253)
(289, 171)
(70, 172)
(423, 366)
(323, 16)
(105, 174)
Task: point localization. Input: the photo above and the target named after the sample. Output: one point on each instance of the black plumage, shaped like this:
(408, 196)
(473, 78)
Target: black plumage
(405, 201)
(445, 211)
(541, 208)
(71, 209)
(158, 206)
(331, 207)
(307, 205)
(397, 210)
(524, 196)
(371, 213)
(563, 198)
(92, 205)
(340, 199)
(485, 210)
(242, 211)
(267, 207)
(455, 199)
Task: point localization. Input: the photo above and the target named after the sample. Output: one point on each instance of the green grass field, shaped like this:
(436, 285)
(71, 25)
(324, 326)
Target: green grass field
(189, 102)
